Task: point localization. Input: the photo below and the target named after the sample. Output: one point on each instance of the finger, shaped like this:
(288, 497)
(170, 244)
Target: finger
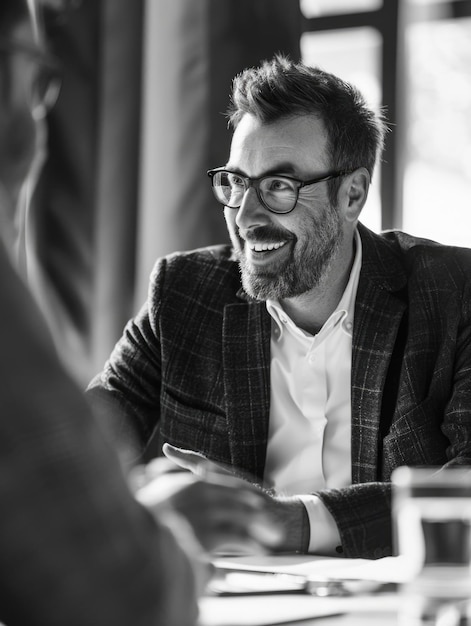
(224, 541)
(264, 534)
(187, 459)
(165, 488)
(194, 461)
(160, 465)
(213, 506)
(141, 475)
(229, 532)
(222, 492)
(258, 526)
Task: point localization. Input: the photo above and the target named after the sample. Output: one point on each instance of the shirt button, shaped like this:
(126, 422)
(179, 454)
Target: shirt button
(284, 320)
(311, 359)
(349, 325)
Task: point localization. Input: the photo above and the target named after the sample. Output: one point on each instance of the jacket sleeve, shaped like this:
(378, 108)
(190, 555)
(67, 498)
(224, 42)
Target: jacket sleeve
(126, 394)
(76, 548)
(363, 516)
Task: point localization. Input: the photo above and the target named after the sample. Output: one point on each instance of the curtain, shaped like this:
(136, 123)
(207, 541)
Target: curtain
(82, 222)
(138, 122)
(193, 49)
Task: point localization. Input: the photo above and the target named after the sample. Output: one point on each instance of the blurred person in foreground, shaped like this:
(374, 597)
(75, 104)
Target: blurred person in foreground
(312, 355)
(76, 547)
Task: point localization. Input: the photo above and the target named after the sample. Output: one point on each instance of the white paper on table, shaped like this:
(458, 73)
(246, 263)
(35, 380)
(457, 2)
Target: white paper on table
(388, 569)
(263, 610)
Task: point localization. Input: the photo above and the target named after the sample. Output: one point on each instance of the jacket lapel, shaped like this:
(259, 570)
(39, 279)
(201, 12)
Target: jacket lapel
(246, 365)
(379, 309)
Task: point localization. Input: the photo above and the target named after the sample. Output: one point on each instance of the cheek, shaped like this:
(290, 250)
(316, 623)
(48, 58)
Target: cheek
(311, 198)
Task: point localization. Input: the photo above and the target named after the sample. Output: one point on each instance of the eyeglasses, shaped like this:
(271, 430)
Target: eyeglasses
(47, 80)
(278, 194)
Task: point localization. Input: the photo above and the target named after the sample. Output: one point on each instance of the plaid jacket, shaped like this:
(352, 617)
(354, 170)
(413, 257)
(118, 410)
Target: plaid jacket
(193, 366)
(75, 547)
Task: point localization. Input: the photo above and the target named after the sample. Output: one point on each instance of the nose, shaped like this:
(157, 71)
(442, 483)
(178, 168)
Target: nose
(251, 212)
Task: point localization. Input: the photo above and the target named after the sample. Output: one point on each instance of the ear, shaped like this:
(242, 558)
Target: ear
(354, 191)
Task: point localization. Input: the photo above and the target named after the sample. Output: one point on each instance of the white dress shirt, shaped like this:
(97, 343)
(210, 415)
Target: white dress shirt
(309, 442)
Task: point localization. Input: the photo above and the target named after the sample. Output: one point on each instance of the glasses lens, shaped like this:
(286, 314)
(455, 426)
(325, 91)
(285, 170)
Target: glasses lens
(279, 194)
(229, 188)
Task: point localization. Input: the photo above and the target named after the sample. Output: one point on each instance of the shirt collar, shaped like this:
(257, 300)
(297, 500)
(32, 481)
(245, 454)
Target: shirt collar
(345, 308)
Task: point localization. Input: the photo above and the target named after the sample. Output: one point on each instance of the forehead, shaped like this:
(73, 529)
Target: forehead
(297, 143)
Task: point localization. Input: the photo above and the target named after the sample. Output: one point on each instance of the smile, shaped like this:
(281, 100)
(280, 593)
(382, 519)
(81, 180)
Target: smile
(266, 247)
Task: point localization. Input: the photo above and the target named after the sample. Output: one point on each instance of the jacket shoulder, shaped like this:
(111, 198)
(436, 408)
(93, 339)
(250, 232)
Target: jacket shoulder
(394, 258)
(427, 249)
(222, 253)
(405, 249)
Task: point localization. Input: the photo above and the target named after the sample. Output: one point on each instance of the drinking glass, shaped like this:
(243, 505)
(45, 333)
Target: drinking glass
(432, 525)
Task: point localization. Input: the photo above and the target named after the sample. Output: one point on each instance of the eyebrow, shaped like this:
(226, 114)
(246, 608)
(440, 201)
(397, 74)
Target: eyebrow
(281, 169)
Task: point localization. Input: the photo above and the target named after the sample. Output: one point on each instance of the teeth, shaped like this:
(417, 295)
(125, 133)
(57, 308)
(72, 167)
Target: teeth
(262, 247)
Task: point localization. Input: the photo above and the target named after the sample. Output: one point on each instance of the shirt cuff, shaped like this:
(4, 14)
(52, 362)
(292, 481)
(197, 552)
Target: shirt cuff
(324, 535)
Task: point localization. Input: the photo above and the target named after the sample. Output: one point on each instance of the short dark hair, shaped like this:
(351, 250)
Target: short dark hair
(281, 88)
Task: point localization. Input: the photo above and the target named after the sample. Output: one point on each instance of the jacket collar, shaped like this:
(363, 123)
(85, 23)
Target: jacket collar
(382, 261)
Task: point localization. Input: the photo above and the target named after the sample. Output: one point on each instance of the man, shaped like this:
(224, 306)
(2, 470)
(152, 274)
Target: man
(76, 547)
(312, 356)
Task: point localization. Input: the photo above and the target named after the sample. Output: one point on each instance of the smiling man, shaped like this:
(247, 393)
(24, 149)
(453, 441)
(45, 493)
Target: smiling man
(311, 356)
(284, 255)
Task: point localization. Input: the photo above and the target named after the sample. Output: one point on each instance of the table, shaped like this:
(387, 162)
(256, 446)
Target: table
(232, 612)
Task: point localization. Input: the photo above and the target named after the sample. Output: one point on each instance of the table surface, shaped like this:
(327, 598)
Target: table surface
(228, 616)
(355, 607)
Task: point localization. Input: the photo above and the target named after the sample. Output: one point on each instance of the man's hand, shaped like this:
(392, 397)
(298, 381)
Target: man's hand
(226, 513)
(289, 512)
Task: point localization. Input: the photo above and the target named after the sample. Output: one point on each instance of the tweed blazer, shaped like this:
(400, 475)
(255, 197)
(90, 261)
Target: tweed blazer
(194, 368)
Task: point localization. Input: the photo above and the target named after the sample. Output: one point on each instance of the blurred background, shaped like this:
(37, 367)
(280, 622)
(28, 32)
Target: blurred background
(140, 118)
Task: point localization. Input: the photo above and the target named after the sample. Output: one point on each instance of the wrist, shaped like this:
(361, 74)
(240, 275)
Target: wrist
(291, 514)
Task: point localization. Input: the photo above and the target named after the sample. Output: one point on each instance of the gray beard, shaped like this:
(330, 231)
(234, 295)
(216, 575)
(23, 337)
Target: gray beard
(304, 270)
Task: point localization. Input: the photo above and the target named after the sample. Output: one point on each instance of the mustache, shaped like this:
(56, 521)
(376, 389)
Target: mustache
(266, 234)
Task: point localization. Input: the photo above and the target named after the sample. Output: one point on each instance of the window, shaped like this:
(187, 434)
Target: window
(413, 56)
(314, 8)
(355, 55)
(437, 182)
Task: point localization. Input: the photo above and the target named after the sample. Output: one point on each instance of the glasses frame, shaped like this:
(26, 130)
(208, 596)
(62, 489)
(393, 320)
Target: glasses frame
(256, 182)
